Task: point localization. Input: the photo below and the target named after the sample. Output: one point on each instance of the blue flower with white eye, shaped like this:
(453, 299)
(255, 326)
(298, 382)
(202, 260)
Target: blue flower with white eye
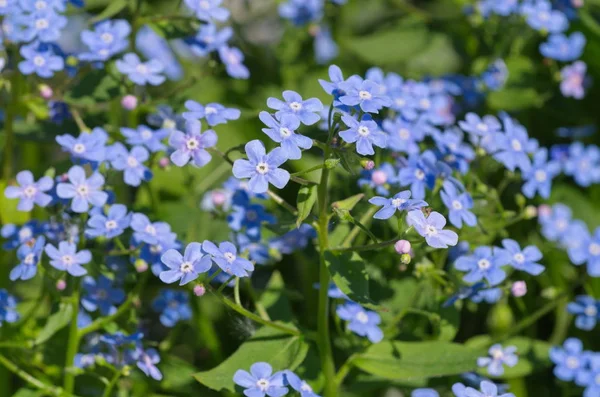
(336, 87)
(66, 258)
(514, 145)
(8, 308)
(307, 111)
(184, 268)
(283, 131)
(299, 385)
(83, 191)
(151, 253)
(115, 222)
(452, 149)
(143, 135)
(569, 359)
(173, 306)
(148, 232)
(165, 119)
(478, 126)
(399, 202)
(365, 133)
(587, 311)
(432, 228)
(592, 246)
(583, 164)
(43, 25)
(424, 393)
(296, 239)
(404, 136)
(539, 177)
(208, 10)
(141, 73)
(590, 376)
(418, 174)
(563, 48)
(367, 95)
(29, 256)
(573, 80)
(495, 76)
(362, 322)
(485, 263)
(556, 224)
(209, 39)
(380, 179)
(526, 259)
(108, 38)
(29, 192)
(226, 257)
(498, 357)
(8, 7)
(42, 5)
(42, 62)
(262, 168)
(261, 381)
(101, 295)
(191, 146)
(302, 12)
(146, 361)
(214, 113)
(488, 389)
(233, 59)
(540, 16)
(132, 165)
(459, 205)
(88, 146)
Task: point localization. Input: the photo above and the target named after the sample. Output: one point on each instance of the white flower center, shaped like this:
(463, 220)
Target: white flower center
(457, 205)
(285, 132)
(111, 224)
(362, 317)
(400, 102)
(262, 168)
(561, 224)
(572, 362)
(39, 60)
(363, 131)
(229, 257)
(41, 23)
(79, 148)
(29, 191)
(425, 103)
(210, 110)
(83, 190)
(482, 127)
(146, 134)
(204, 4)
(25, 233)
(365, 95)
(419, 174)
(156, 249)
(168, 124)
(186, 267)
(597, 379)
(591, 311)
(397, 202)
(295, 106)
(404, 134)
(132, 161)
(430, 230)
(68, 260)
(150, 230)
(29, 259)
(544, 15)
(107, 38)
(141, 69)
(3, 3)
(497, 354)
(540, 176)
(483, 264)
(263, 384)
(516, 145)
(192, 144)
(519, 257)
(594, 249)
(40, 5)
(306, 387)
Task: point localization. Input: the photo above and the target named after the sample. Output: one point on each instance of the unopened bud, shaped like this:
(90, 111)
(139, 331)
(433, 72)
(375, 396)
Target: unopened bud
(368, 164)
(218, 197)
(45, 91)
(140, 265)
(405, 259)
(199, 290)
(164, 162)
(379, 177)
(530, 212)
(519, 289)
(544, 210)
(61, 285)
(402, 246)
(129, 102)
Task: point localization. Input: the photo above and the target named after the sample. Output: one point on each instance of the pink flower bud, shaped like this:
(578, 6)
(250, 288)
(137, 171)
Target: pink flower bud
(129, 102)
(199, 290)
(369, 165)
(379, 177)
(577, 3)
(544, 210)
(519, 289)
(141, 265)
(45, 91)
(61, 285)
(164, 162)
(402, 246)
(218, 197)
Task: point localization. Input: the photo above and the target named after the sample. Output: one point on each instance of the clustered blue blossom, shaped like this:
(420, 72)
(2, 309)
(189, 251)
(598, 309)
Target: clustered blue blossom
(574, 364)
(261, 381)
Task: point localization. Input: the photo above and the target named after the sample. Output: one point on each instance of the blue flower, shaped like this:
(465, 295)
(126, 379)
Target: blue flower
(485, 263)
(432, 229)
(207, 10)
(362, 322)
(261, 381)
(84, 191)
(500, 7)
(540, 16)
(209, 39)
(592, 246)
(489, 295)
(226, 257)
(299, 385)
(488, 389)
(234, 62)
(365, 133)
(30, 192)
(466, 292)
(8, 7)
(184, 268)
(459, 205)
(42, 62)
(214, 113)
(569, 360)
(262, 168)
(556, 224)
(480, 126)
(146, 361)
(66, 258)
(141, 73)
(29, 256)
(145, 136)
(539, 177)
(251, 217)
(173, 306)
(191, 146)
(152, 253)
(495, 76)
(108, 38)
(151, 45)
(367, 95)
(498, 356)
(336, 86)
(112, 225)
(379, 179)
(577, 240)
(257, 252)
(132, 165)
(424, 393)
(404, 136)
(166, 119)
(563, 48)
(587, 310)
(573, 80)
(41, 5)
(44, 25)
(583, 164)
(148, 232)
(399, 202)
(283, 131)
(514, 145)
(101, 295)
(419, 174)
(325, 47)
(307, 111)
(452, 149)
(294, 240)
(8, 307)
(302, 12)
(88, 146)
(525, 259)
(590, 376)
(333, 291)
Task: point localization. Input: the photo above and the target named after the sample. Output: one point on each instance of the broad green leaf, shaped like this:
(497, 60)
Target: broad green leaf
(177, 374)
(280, 350)
(95, 86)
(515, 99)
(113, 8)
(349, 203)
(403, 296)
(438, 58)
(449, 323)
(415, 360)
(8, 209)
(275, 301)
(307, 197)
(349, 273)
(55, 323)
(579, 203)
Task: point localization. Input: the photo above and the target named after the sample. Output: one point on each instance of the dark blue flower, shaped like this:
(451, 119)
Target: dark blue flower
(173, 307)
(8, 307)
(101, 295)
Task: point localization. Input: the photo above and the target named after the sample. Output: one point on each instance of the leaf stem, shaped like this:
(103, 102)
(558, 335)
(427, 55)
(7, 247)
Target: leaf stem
(73, 341)
(12, 367)
(369, 247)
(111, 384)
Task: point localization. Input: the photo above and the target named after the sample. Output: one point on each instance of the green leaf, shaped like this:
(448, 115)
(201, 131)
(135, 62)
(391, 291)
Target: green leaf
(349, 273)
(438, 58)
(275, 301)
(307, 197)
(113, 8)
(449, 323)
(280, 350)
(55, 323)
(515, 99)
(349, 203)
(349, 160)
(331, 163)
(415, 360)
(8, 209)
(177, 374)
(95, 86)
(580, 203)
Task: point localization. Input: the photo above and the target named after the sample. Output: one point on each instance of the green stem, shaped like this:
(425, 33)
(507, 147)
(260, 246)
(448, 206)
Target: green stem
(257, 305)
(344, 370)
(356, 229)
(306, 171)
(236, 292)
(9, 132)
(112, 384)
(369, 247)
(73, 342)
(55, 391)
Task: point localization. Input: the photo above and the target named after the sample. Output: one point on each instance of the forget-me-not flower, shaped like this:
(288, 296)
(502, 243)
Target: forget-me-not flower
(101, 295)
(141, 73)
(29, 255)
(590, 377)
(299, 385)
(514, 145)
(488, 389)
(302, 12)
(365, 133)
(540, 16)
(233, 59)
(108, 38)
(583, 164)
(184, 268)
(307, 111)
(88, 146)
(143, 135)
(539, 177)
(261, 381)
(209, 39)
(132, 165)
(498, 357)
(432, 228)
(587, 311)
(30, 192)
(562, 47)
(362, 322)
(42, 62)
(208, 10)
(110, 225)
(262, 168)
(227, 258)
(526, 259)
(43, 25)
(569, 359)
(146, 361)
(191, 146)
(418, 173)
(8, 307)
(83, 191)
(366, 94)
(459, 205)
(283, 131)
(399, 202)
(403, 136)
(573, 80)
(214, 113)
(66, 258)
(173, 306)
(149, 232)
(485, 263)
